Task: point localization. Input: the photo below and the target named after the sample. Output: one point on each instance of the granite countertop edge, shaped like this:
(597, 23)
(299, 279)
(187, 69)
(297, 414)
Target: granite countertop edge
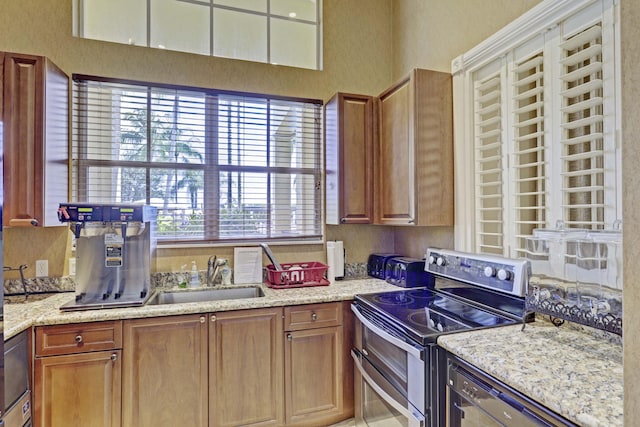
(567, 370)
(21, 316)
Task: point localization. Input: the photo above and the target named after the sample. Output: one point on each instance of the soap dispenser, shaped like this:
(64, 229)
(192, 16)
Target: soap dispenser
(195, 278)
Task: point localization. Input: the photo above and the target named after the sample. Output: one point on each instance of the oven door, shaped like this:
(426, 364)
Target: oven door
(378, 403)
(391, 367)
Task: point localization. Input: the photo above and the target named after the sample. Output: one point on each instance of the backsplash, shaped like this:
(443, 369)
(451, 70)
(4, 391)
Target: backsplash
(158, 280)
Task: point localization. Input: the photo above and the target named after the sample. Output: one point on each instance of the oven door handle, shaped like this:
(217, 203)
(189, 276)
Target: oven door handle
(414, 417)
(412, 350)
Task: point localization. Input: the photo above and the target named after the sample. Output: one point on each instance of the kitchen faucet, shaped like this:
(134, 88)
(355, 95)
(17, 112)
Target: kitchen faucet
(213, 269)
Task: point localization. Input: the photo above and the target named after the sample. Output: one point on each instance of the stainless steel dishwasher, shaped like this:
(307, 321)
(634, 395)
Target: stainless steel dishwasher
(474, 399)
(16, 382)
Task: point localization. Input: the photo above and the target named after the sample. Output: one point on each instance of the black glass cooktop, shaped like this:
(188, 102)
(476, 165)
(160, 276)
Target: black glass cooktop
(423, 314)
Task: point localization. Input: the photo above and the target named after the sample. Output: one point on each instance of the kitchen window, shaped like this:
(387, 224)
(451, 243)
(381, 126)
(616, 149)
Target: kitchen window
(537, 124)
(220, 166)
(285, 32)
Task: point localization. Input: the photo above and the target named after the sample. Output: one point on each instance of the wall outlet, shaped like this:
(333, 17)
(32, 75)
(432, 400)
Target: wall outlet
(72, 266)
(42, 268)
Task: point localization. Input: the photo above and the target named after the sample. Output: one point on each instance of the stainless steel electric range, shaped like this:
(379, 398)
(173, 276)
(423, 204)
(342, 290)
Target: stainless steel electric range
(399, 367)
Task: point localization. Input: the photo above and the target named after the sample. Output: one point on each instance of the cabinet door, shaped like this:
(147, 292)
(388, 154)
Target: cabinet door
(245, 368)
(396, 184)
(165, 372)
(35, 116)
(349, 136)
(78, 390)
(314, 376)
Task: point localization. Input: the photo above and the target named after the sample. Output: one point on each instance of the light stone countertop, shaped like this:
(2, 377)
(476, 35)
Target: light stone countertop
(20, 316)
(570, 371)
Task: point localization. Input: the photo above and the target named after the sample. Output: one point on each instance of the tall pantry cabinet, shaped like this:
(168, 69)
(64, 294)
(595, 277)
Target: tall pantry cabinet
(34, 109)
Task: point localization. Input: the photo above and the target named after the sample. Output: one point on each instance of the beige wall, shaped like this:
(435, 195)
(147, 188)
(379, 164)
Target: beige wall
(430, 33)
(630, 16)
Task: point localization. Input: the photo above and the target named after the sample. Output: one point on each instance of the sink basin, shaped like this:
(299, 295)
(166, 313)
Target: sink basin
(209, 294)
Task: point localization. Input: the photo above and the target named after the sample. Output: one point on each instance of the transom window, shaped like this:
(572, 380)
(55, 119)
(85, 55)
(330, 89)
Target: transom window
(220, 166)
(286, 32)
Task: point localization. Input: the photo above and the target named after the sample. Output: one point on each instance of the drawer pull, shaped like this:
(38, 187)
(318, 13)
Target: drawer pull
(79, 339)
(314, 317)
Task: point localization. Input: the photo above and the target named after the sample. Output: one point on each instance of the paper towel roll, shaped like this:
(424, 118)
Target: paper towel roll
(335, 260)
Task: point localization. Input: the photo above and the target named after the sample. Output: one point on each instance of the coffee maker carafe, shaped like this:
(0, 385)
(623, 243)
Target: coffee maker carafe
(115, 248)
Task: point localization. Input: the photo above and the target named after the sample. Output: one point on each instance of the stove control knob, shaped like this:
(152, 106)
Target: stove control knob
(440, 327)
(432, 323)
(489, 271)
(441, 261)
(504, 274)
(432, 259)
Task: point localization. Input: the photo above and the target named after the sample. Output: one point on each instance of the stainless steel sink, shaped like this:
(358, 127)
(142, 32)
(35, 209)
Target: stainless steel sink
(209, 294)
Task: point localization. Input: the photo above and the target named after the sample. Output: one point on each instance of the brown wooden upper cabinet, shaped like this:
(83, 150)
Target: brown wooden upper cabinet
(349, 136)
(34, 106)
(414, 157)
(389, 159)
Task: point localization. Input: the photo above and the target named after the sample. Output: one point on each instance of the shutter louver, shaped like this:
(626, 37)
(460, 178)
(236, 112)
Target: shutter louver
(219, 166)
(489, 167)
(528, 148)
(583, 155)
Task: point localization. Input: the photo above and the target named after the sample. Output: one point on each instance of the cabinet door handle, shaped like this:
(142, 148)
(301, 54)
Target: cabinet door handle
(114, 357)
(79, 339)
(213, 317)
(343, 220)
(314, 317)
(289, 337)
(202, 319)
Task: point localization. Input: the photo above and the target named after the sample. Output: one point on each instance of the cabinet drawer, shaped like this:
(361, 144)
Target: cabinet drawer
(78, 338)
(312, 316)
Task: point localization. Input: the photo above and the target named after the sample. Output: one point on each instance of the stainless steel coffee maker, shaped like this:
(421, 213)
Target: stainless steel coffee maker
(115, 249)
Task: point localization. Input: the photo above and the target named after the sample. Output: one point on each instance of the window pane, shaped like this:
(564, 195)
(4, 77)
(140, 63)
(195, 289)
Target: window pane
(120, 21)
(298, 9)
(179, 197)
(243, 205)
(293, 43)
(242, 131)
(293, 135)
(180, 26)
(255, 5)
(177, 128)
(115, 185)
(295, 207)
(239, 35)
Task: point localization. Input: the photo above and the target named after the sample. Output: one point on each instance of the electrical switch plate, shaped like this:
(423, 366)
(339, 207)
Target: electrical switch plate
(42, 268)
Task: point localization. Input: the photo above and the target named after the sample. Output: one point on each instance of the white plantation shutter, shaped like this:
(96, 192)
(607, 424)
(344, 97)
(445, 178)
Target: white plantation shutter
(220, 166)
(536, 137)
(583, 150)
(528, 164)
(489, 164)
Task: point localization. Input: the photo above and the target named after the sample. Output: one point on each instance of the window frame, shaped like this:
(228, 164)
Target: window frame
(508, 46)
(211, 167)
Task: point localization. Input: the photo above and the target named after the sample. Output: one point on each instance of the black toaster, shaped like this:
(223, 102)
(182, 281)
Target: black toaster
(408, 273)
(377, 263)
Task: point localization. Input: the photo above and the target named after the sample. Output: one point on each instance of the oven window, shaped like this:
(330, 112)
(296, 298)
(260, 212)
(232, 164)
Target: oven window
(387, 358)
(377, 412)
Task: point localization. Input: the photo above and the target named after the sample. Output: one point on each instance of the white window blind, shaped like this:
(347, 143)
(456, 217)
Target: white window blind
(582, 130)
(220, 166)
(489, 163)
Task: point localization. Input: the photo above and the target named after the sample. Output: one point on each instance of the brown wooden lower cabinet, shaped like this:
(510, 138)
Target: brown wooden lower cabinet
(245, 368)
(225, 369)
(78, 390)
(164, 381)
